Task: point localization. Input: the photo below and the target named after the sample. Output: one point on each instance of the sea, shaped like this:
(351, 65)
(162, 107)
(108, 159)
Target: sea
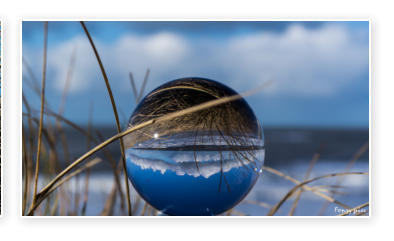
(288, 150)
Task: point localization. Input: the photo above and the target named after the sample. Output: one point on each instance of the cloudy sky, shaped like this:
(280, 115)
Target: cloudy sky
(319, 70)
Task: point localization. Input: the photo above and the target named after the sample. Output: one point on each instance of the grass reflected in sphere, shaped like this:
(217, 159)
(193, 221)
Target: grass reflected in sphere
(202, 163)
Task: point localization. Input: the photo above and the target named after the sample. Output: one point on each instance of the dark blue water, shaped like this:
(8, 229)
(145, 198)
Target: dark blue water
(287, 150)
(269, 189)
(172, 182)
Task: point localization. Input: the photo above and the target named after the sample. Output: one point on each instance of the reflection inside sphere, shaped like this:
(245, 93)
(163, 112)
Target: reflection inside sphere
(201, 163)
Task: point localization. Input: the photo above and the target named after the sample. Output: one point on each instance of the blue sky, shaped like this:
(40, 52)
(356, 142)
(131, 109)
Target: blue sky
(319, 70)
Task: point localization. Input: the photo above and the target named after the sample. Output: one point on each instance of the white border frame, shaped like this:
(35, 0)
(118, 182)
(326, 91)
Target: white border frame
(2, 117)
(187, 217)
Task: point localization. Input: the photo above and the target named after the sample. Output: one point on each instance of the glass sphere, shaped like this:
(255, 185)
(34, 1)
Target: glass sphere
(201, 163)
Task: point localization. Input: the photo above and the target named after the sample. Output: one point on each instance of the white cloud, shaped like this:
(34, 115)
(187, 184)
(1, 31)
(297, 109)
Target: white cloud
(187, 166)
(162, 51)
(300, 61)
(86, 69)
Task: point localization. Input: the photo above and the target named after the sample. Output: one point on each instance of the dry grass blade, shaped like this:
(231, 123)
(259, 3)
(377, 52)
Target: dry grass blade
(330, 189)
(66, 88)
(143, 86)
(167, 117)
(238, 213)
(70, 123)
(144, 209)
(305, 187)
(115, 113)
(116, 170)
(137, 203)
(29, 152)
(109, 204)
(133, 87)
(25, 171)
(67, 83)
(32, 81)
(291, 192)
(54, 206)
(315, 157)
(355, 210)
(86, 193)
(41, 113)
(355, 157)
(81, 169)
(258, 203)
(34, 84)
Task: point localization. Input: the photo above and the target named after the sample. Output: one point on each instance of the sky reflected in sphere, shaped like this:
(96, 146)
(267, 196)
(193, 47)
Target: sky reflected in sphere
(202, 163)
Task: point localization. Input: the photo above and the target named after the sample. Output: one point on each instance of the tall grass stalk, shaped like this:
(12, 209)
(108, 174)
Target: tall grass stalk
(352, 161)
(164, 118)
(305, 187)
(25, 171)
(41, 113)
(312, 163)
(60, 203)
(143, 86)
(133, 87)
(291, 192)
(75, 173)
(115, 113)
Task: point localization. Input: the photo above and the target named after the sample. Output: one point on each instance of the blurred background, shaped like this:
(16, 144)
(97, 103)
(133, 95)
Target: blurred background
(316, 106)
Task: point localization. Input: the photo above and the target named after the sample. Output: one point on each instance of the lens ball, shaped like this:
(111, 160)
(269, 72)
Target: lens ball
(201, 163)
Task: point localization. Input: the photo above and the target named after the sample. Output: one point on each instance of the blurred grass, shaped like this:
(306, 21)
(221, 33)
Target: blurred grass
(55, 199)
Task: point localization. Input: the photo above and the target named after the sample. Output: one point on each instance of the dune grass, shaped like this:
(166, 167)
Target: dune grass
(107, 84)
(52, 198)
(41, 113)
